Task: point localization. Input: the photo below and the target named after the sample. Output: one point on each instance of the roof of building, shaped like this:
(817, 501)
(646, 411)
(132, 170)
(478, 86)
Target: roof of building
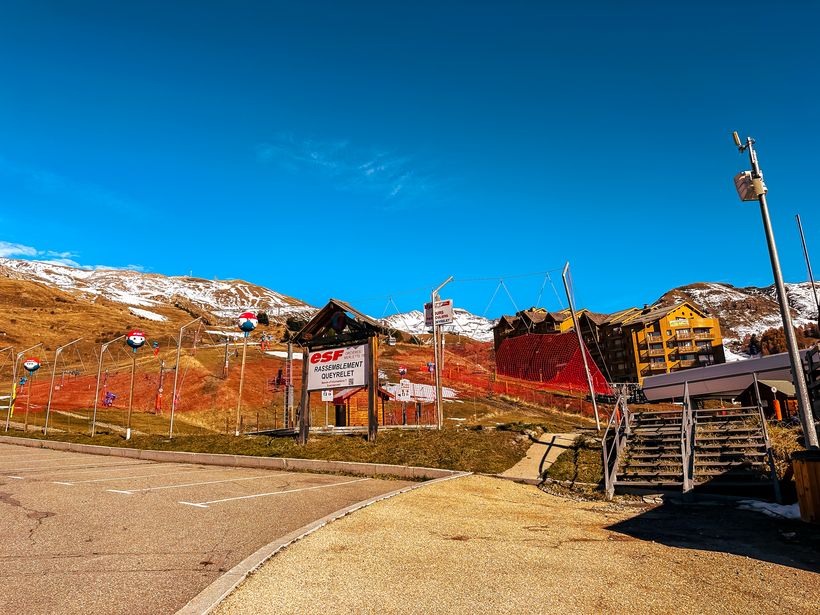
(651, 314)
(721, 380)
(783, 386)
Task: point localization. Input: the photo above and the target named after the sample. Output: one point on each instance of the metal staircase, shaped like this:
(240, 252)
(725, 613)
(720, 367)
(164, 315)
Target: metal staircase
(723, 450)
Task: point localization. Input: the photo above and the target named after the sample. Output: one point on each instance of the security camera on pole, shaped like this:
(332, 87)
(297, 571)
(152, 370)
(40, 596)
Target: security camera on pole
(247, 323)
(31, 366)
(136, 340)
(750, 187)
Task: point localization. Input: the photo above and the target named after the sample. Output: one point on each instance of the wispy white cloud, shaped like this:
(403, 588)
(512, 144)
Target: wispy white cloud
(349, 167)
(45, 182)
(53, 257)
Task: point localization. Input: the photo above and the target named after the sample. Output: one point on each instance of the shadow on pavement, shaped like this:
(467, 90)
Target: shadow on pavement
(722, 527)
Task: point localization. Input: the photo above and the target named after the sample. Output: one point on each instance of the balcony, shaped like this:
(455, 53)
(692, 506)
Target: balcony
(653, 337)
(704, 336)
(687, 363)
(683, 335)
(687, 348)
(656, 352)
(657, 366)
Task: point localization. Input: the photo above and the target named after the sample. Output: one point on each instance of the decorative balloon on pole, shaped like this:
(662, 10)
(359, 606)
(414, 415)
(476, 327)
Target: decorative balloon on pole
(247, 323)
(136, 340)
(31, 366)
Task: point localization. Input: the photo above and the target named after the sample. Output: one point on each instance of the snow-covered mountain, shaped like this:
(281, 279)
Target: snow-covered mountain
(222, 298)
(744, 311)
(464, 323)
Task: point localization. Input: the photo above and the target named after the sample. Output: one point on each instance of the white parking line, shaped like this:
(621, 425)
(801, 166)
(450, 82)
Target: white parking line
(36, 460)
(102, 480)
(29, 457)
(262, 495)
(81, 465)
(207, 482)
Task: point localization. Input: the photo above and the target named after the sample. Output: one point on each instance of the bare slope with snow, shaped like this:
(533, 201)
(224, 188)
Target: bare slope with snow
(222, 298)
(749, 310)
(464, 323)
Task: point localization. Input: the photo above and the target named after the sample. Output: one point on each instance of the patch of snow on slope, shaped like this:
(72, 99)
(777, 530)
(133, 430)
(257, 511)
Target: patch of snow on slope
(464, 323)
(225, 299)
(146, 314)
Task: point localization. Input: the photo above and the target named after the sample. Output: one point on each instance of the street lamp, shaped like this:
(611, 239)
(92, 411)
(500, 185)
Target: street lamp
(750, 187)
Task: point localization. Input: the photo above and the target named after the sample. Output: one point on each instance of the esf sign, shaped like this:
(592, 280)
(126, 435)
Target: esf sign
(444, 313)
(337, 368)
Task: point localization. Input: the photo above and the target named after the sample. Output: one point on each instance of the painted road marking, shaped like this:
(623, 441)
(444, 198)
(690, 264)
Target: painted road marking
(101, 480)
(29, 457)
(37, 460)
(82, 465)
(262, 495)
(207, 482)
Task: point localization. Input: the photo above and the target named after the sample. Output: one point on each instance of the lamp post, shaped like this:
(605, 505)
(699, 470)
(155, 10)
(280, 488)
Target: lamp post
(176, 375)
(581, 345)
(437, 352)
(14, 381)
(103, 348)
(51, 387)
(750, 187)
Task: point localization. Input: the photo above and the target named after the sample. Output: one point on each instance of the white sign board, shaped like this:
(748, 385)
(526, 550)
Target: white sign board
(444, 313)
(337, 368)
(327, 395)
(405, 392)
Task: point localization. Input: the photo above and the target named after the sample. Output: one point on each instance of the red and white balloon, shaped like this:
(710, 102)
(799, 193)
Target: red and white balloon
(135, 339)
(31, 365)
(247, 322)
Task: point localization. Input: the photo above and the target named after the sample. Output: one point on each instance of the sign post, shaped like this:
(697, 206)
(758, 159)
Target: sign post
(135, 339)
(441, 312)
(247, 323)
(327, 397)
(31, 366)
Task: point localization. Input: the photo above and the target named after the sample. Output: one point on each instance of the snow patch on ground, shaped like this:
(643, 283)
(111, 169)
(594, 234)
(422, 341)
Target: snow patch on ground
(297, 356)
(781, 511)
(146, 314)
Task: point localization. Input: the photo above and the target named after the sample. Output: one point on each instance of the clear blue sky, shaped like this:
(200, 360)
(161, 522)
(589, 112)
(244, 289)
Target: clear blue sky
(366, 149)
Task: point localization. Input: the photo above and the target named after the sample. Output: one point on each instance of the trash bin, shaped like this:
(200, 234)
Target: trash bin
(806, 465)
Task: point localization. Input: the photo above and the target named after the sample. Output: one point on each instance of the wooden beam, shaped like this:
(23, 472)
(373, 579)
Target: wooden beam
(304, 407)
(373, 389)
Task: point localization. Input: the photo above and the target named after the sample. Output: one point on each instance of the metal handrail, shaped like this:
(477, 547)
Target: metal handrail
(687, 441)
(769, 454)
(618, 423)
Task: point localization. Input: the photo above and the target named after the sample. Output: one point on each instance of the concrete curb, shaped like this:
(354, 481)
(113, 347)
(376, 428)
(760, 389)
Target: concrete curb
(242, 461)
(216, 592)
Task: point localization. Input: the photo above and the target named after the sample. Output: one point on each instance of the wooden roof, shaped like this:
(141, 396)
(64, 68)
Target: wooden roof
(357, 324)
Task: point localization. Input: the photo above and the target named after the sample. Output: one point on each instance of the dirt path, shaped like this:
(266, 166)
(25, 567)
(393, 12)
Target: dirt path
(540, 456)
(483, 545)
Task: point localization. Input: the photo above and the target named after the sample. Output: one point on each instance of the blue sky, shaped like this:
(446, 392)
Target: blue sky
(370, 149)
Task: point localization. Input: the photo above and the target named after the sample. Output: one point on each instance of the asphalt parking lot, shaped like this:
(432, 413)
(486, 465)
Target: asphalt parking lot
(92, 534)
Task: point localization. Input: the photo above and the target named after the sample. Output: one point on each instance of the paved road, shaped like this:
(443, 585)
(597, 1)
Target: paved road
(93, 534)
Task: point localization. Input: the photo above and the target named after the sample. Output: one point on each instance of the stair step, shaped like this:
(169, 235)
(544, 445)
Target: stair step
(649, 473)
(757, 437)
(713, 447)
(736, 463)
(649, 484)
(653, 456)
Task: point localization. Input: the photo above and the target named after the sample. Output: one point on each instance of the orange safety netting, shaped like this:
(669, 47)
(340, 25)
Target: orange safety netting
(553, 359)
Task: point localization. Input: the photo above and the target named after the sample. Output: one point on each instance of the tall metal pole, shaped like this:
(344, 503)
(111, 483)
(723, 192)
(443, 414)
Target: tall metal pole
(14, 380)
(131, 396)
(176, 375)
(581, 346)
(51, 388)
(437, 352)
(808, 266)
(241, 382)
(28, 399)
(798, 374)
(103, 348)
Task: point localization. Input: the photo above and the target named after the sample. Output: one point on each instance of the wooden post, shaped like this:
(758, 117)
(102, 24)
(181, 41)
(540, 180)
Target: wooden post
(304, 407)
(373, 388)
